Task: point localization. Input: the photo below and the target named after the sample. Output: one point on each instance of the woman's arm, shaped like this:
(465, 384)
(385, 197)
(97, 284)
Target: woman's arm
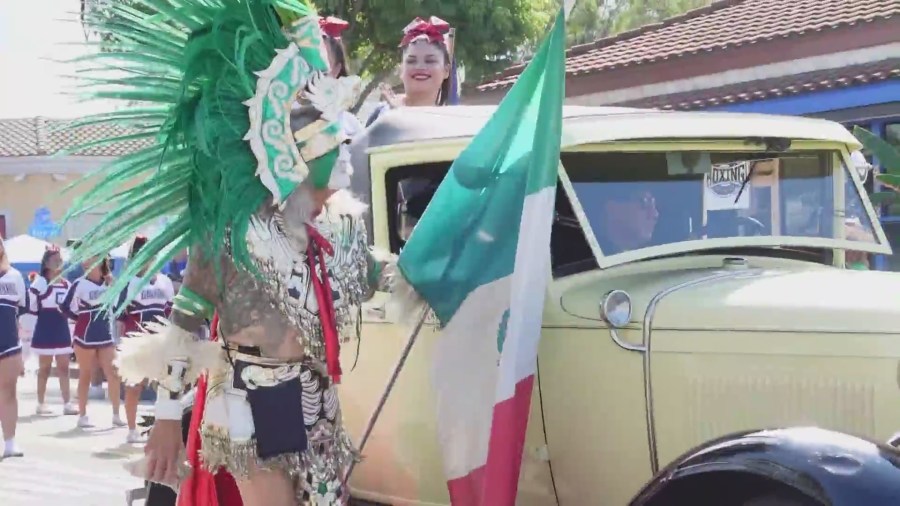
(24, 306)
(69, 305)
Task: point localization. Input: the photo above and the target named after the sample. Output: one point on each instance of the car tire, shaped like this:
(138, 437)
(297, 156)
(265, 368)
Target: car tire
(775, 500)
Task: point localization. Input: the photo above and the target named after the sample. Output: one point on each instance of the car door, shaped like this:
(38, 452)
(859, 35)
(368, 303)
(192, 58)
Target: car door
(402, 461)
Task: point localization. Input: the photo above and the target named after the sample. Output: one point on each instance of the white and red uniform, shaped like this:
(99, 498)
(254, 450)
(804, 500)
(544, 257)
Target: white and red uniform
(152, 302)
(51, 330)
(13, 302)
(92, 324)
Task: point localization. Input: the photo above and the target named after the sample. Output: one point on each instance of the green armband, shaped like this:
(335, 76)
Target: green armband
(190, 303)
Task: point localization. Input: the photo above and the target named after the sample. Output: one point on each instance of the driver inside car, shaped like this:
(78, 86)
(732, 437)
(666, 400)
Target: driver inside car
(628, 220)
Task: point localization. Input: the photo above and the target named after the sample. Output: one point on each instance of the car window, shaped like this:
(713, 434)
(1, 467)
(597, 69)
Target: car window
(410, 189)
(639, 200)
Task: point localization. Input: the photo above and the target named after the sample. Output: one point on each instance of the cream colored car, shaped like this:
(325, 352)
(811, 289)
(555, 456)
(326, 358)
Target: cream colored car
(699, 288)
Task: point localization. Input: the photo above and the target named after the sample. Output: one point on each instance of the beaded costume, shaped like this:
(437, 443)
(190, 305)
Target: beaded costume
(244, 125)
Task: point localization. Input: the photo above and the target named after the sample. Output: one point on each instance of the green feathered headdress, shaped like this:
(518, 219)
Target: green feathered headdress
(216, 80)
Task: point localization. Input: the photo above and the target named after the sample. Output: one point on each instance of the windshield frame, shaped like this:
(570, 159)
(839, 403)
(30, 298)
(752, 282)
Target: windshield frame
(841, 160)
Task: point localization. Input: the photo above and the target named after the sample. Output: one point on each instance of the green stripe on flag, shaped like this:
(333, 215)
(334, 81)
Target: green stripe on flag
(468, 235)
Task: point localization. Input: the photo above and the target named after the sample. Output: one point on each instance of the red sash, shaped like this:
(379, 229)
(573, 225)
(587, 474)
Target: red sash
(202, 488)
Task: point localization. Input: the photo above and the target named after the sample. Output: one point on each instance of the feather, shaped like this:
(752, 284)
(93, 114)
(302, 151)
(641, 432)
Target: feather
(331, 96)
(191, 64)
(146, 354)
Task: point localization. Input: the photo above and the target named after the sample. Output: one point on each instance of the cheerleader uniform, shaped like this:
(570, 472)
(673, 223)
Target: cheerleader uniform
(13, 302)
(150, 304)
(92, 324)
(51, 331)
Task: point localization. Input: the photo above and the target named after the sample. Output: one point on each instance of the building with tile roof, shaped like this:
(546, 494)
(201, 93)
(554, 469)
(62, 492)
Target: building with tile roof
(835, 59)
(39, 160)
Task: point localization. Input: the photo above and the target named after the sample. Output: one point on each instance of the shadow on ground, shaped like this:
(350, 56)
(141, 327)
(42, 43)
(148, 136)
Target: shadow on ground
(78, 432)
(121, 452)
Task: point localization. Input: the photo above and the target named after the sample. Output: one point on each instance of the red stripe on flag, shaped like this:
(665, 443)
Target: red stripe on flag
(497, 482)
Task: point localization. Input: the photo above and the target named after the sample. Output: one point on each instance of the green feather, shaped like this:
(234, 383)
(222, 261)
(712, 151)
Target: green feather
(191, 64)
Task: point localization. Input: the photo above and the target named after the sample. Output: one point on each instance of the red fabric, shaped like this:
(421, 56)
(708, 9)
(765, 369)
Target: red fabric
(202, 488)
(435, 29)
(132, 322)
(332, 26)
(496, 483)
(316, 251)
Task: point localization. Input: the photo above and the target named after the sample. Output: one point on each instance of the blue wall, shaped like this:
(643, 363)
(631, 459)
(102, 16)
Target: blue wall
(822, 101)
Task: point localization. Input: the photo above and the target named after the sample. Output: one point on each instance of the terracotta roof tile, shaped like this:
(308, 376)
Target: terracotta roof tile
(843, 77)
(43, 137)
(724, 24)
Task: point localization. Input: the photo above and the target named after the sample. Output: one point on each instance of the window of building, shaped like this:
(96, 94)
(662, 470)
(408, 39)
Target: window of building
(892, 133)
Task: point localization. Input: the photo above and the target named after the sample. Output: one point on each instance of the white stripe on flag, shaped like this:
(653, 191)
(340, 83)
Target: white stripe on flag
(529, 282)
(481, 429)
(465, 368)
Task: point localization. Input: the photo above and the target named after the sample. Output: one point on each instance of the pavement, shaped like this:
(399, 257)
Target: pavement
(65, 465)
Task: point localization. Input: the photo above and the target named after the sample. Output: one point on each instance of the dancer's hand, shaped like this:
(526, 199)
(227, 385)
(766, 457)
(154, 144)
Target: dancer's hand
(164, 448)
(387, 93)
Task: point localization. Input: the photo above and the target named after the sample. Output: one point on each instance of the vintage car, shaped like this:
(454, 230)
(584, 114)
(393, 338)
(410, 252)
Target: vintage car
(699, 288)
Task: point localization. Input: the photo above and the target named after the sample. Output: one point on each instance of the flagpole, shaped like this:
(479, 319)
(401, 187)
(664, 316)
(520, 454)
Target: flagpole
(373, 418)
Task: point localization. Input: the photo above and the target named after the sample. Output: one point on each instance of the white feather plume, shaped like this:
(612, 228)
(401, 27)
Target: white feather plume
(332, 96)
(147, 354)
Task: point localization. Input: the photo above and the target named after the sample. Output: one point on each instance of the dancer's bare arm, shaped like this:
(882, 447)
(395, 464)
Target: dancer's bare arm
(166, 445)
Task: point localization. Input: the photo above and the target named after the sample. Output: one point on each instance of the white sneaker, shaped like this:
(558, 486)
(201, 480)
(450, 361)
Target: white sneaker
(134, 437)
(70, 409)
(118, 422)
(84, 422)
(12, 450)
(42, 409)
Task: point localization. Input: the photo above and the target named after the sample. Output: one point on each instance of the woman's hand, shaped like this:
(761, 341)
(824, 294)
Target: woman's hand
(388, 95)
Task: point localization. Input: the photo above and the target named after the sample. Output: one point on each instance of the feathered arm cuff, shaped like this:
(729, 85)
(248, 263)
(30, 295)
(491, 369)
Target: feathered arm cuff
(380, 270)
(169, 354)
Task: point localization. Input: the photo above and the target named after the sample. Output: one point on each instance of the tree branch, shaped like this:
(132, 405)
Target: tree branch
(376, 80)
(366, 62)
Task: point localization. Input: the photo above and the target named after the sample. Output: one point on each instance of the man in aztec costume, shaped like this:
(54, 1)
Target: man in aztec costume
(246, 149)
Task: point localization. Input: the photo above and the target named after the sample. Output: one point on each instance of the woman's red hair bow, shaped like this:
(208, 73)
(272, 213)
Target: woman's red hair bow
(332, 26)
(434, 29)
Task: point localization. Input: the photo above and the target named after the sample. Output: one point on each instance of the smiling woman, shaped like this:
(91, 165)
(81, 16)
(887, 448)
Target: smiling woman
(424, 67)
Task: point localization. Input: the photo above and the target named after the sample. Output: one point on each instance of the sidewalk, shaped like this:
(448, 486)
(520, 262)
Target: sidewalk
(64, 464)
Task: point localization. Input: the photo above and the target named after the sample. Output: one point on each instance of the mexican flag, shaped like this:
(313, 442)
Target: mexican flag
(480, 258)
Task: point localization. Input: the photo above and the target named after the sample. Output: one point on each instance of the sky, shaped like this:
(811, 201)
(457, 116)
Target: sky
(32, 34)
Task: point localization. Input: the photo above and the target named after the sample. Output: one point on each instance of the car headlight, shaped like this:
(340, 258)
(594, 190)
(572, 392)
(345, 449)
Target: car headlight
(615, 309)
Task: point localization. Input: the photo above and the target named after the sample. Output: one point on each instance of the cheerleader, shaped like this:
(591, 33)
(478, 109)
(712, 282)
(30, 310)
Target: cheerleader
(51, 338)
(425, 68)
(93, 340)
(148, 304)
(332, 28)
(13, 303)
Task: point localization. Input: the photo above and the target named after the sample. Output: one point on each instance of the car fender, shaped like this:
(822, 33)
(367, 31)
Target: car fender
(830, 467)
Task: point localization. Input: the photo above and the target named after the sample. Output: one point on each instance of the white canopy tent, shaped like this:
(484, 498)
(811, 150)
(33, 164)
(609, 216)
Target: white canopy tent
(24, 249)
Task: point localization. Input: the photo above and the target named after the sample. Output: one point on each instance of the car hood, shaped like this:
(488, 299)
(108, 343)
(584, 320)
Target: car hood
(822, 299)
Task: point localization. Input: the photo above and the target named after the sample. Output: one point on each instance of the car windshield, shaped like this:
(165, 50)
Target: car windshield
(638, 200)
